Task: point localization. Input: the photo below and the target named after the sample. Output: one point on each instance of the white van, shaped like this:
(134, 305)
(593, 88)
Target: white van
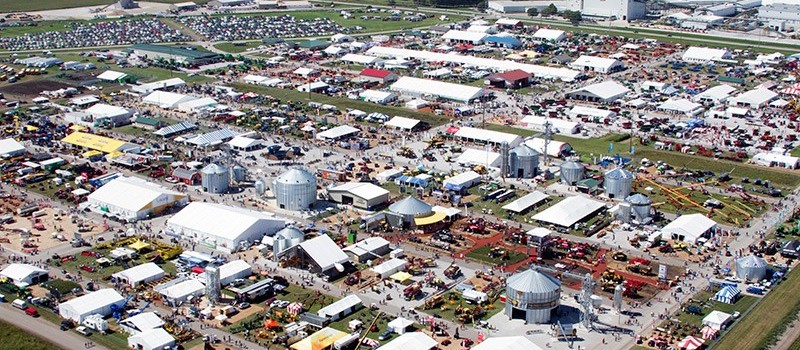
(19, 304)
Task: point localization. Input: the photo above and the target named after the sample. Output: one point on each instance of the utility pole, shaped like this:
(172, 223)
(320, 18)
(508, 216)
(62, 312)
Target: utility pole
(547, 135)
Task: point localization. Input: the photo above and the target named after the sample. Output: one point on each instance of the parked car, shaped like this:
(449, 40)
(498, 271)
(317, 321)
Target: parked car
(83, 330)
(385, 335)
(31, 312)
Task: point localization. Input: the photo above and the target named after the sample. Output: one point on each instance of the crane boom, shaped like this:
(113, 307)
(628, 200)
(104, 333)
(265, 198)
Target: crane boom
(366, 331)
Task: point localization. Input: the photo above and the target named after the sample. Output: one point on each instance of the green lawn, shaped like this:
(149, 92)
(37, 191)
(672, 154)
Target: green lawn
(741, 306)
(341, 102)
(230, 47)
(63, 287)
(510, 129)
(767, 320)
(453, 299)
(482, 254)
(14, 338)
(585, 147)
(23, 5)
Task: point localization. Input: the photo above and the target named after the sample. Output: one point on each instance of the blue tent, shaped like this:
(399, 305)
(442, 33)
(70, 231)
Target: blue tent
(508, 42)
(727, 295)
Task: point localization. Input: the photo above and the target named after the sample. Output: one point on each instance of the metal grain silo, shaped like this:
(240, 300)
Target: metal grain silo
(238, 173)
(751, 268)
(523, 162)
(215, 179)
(640, 206)
(260, 187)
(532, 296)
(618, 183)
(285, 239)
(295, 189)
(571, 172)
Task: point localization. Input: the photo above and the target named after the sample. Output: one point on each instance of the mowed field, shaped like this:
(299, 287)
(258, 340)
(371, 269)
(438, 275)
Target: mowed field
(40, 5)
(767, 319)
(14, 338)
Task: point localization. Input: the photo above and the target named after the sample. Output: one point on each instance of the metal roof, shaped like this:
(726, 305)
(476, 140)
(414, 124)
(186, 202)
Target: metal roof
(212, 169)
(751, 261)
(296, 176)
(619, 174)
(411, 206)
(638, 199)
(289, 232)
(524, 151)
(572, 165)
(532, 281)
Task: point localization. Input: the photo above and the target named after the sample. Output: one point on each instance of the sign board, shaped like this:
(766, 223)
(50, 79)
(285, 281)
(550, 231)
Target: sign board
(662, 271)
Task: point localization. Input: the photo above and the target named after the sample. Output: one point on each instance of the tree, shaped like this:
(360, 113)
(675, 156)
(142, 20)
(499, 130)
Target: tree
(533, 12)
(574, 17)
(392, 2)
(549, 10)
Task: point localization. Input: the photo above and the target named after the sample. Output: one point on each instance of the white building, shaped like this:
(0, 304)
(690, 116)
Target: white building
(754, 99)
(133, 199)
(781, 16)
(341, 308)
(139, 275)
(362, 195)
(704, 55)
(776, 160)
(223, 227)
(231, 271)
(625, 10)
(714, 95)
(403, 123)
(586, 111)
(153, 339)
(549, 35)
(507, 343)
(558, 126)
(144, 321)
(689, 227)
(97, 302)
(24, 274)
(176, 292)
(605, 92)
(569, 211)
(464, 37)
(10, 147)
(448, 91)
(471, 157)
(376, 96)
(198, 105)
(466, 179)
(370, 248)
(145, 89)
(597, 64)
(110, 115)
(413, 340)
(166, 99)
(496, 138)
(389, 267)
(681, 106)
(323, 254)
(337, 133)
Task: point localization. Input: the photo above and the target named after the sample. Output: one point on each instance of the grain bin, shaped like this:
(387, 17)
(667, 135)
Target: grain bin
(238, 173)
(571, 172)
(295, 189)
(618, 183)
(751, 268)
(403, 212)
(532, 296)
(523, 162)
(215, 179)
(260, 187)
(285, 239)
(640, 206)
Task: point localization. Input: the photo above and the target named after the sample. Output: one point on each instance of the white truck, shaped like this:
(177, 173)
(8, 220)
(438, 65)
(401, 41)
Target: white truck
(96, 322)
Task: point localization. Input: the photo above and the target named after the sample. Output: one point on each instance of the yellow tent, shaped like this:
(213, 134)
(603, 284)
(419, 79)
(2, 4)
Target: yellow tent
(437, 216)
(77, 127)
(31, 128)
(401, 277)
(94, 142)
(89, 154)
(139, 246)
(323, 339)
(115, 154)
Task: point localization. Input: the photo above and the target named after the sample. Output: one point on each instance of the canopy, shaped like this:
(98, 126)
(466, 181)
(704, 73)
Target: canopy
(690, 343)
(139, 245)
(436, 217)
(90, 154)
(270, 324)
(708, 332)
(401, 276)
(294, 308)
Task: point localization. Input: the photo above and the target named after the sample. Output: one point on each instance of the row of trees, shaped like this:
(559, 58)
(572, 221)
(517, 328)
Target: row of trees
(574, 17)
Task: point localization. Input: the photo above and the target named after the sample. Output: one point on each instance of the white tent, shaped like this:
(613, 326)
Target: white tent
(177, 293)
(10, 147)
(402, 123)
(479, 157)
(154, 339)
(142, 322)
(569, 211)
(341, 308)
(716, 319)
(97, 302)
(411, 340)
(165, 99)
(527, 201)
(399, 325)
(111, 75)
(324, 252)
(466, 179)
(132, 198)
(689, 227)
(426, 87)
(337, 132)
(24, 274)
(389, 267)
(507, 343)
(139, 274)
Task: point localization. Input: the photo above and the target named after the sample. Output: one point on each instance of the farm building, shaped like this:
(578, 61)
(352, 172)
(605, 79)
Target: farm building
(187, 176)
(10, 147)
(703, 55)
(513, 79)
(341, 308)
(362, 195)
(98, 302)
(323, 255)
(448, 91)
(139, 275)
(24, 274)
(132, 199)
(142, 322)
(597, 64)
(368, 249)
(378, 75)
(223, 227)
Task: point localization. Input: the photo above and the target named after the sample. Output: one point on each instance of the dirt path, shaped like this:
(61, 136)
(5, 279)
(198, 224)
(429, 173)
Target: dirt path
(788, 337)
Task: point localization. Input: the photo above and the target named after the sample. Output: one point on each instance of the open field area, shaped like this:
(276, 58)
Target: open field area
(21, 5)
(13, 338)
(767, 320)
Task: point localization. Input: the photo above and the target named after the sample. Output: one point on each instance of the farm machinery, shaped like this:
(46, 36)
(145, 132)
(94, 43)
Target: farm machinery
(640, 266)
(353, 279)
(452, 272)
(433, 302)
(412, 291)
(609, 280)
(468, 315)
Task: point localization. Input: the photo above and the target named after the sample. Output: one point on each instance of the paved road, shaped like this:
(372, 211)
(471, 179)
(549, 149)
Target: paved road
(44, 329)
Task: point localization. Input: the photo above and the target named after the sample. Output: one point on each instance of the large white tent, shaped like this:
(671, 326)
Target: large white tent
(324, 252)
(24, 274)
(479, 157)
(523, 203)
(97, 302)
(569, 211)
(139, 274)
(411, 340)
(153, 339)
(689, 227)
(177, 292)
(543, 72)
(717, 319)
(10, 147)
(133, 199)
(426, 87)
(221, 226)
(507, 343)
(389, 267)
(142, 322)
(488, 136)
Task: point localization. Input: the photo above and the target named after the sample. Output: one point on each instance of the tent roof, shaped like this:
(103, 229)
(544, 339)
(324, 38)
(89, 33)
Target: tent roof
(606, 90)
(569, 211)
(548, 34)
(366, 246)
(132, 194)
(324, 251)
(492, 136)
(411, 206)
(402, 122)
(389, 265)
(140, 272)
(364, 190)
(95, 142)
(9, 146)
(340, 305)
(526, 201)
(475, 156)
(222, 220)
(450, 91)
(182, 289)
(691, 226)
(337, 132)
(717, 317)
(111, 75)
(156, 338)
(507, 343)
(20, 271)
(411, 340)
(143, 321)
(93, 300)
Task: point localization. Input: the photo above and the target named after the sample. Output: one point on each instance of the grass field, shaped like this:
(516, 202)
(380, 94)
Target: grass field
(454, 299)
(482, 254)
(230, 47)
(14, 338)
(767, 320)
(779, 177)
(23, 5)
(342, 103)
(740, 305)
